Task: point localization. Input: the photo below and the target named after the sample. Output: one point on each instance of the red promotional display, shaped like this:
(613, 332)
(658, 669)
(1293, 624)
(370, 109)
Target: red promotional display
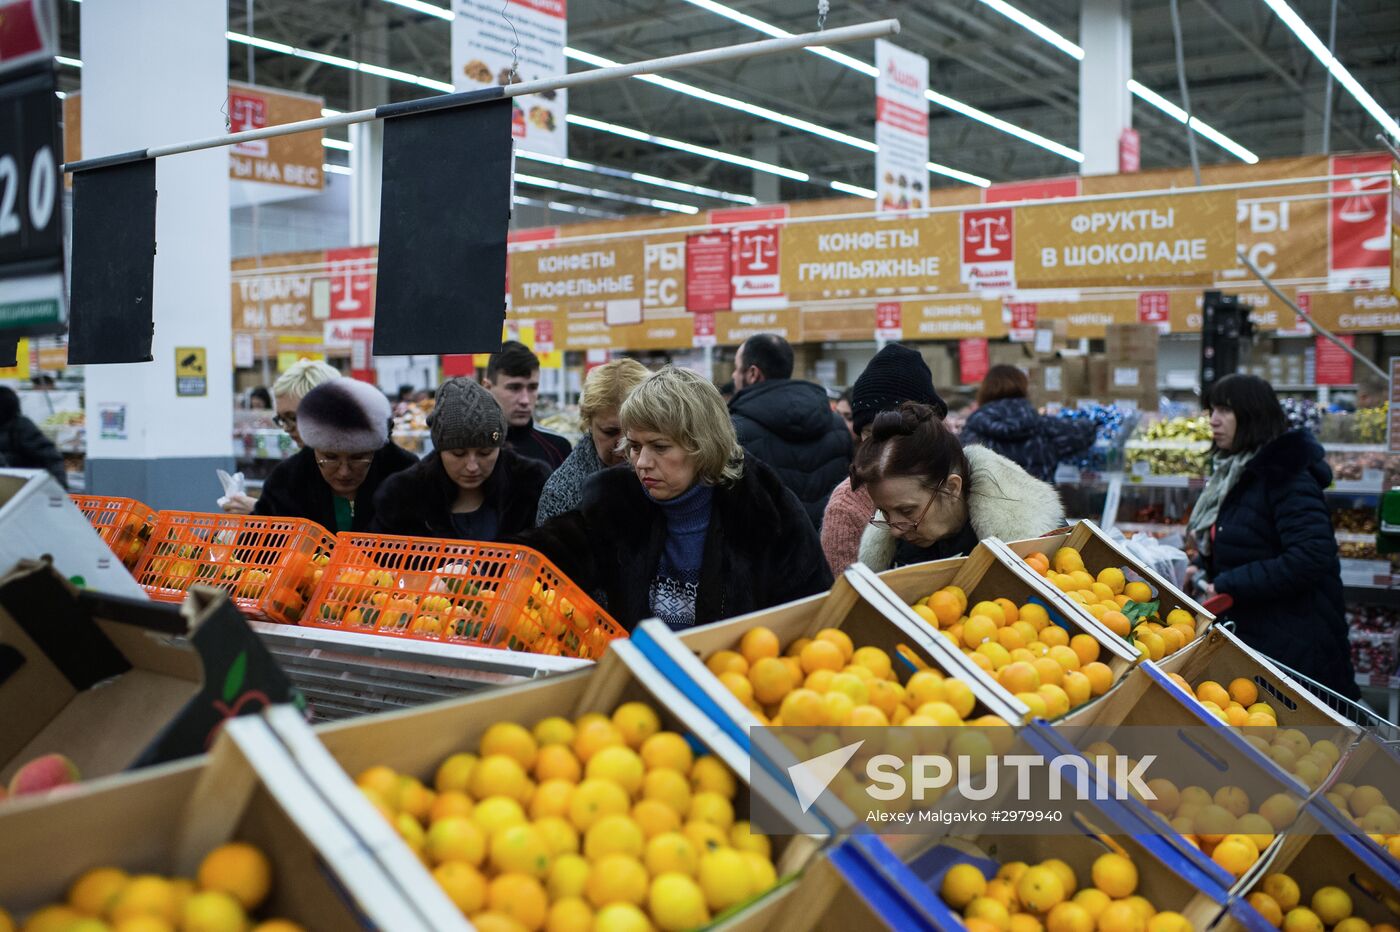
(1040, 190)
(1357, 231)
(703, 332)
(1022, 322)
(988, 249)
(361, 358)
(973, 360)
(1129, 151)
(707, 272)
(755, 256)
(544, 336)
(1154, 307)
(247, 111)
(1335, 366)
(352, 281)
(455, 365)
(889, 320)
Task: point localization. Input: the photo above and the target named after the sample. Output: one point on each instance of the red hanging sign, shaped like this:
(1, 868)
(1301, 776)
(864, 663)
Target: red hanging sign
(708, 285)
(889, 320)
(1334, 365)
(703, 328)
(1129, 151)
(1154, 307)
(361, 356)
(352, 275)
(973, 360)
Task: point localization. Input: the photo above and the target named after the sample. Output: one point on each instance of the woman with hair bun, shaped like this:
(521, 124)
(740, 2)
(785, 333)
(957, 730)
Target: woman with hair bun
(937, 499)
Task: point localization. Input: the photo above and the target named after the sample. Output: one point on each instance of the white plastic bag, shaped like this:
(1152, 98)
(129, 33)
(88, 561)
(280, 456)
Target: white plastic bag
(1167, 561)
(235, 499)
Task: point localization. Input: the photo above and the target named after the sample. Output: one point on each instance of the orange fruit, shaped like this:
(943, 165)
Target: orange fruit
(959, 695)
(239, 870)
(1100, 677)
(1117, 622)
(1056, 699)
(875, 660)
(1050, 671)
(758, 643)
(1235, 855)
(1283, 889)
(456, 839)
(1211, 691)
(1085, 648)
(727, 661)
(1078, 688)
(463, 884)
(1008, 610)
(1010, 638)
(822, 655)
(1267, 907)
(738, 685)
(592, 736)
(962, 884)
(945, 607)
(1121, 917)
(1138, 592)
(1066, 657)
(520, 897)
(1331, 904)
(978, 629)
(771, 679)
(1301, 919)
(1019, 678)
(839, 638)
(636, 721)
(1040, 889)
(1115, 875)
(796, 648)
(1054, 636)
(557, 762)
(1069, 917)
(512, 740)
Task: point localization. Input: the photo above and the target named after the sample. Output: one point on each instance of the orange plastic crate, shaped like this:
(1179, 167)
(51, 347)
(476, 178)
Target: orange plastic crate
(463, 592)
(123, 523)
(270, 566)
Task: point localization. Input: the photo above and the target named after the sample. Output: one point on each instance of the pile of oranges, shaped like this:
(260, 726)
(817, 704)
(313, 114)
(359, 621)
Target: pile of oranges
(1238, 705)
(827, 680)
(1105, 597)
(1372, 812)
(233, 880)
(1032, 658)
(1023, 898)
(602, 823)
(1279, 899)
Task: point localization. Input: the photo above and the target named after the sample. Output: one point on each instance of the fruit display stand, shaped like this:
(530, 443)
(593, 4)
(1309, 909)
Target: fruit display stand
(269, 566)
(416, 742)
(1223, 658)
(1092, 828)
(461, 592)
(1192, 748)
(1315, 858)
(124, 523)
(37, 517)
(1099, 552)
(347, 673)
(990, 573)
(165, 819)
(1374, 764)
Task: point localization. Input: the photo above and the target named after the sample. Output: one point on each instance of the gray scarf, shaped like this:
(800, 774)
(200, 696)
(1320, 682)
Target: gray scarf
(1227, 472)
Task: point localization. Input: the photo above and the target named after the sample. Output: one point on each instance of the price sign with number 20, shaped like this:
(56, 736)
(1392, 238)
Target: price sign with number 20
(30, 233)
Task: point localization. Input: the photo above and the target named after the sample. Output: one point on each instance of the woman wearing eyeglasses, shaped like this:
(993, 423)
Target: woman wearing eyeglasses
(346, 455)
(472, 486)
(937, 499)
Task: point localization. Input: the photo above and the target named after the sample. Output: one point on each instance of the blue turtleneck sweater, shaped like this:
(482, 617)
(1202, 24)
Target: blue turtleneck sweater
(677, 577)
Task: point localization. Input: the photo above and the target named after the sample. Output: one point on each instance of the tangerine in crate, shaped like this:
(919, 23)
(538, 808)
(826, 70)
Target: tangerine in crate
(124, 524)
(270, 566)
(466, 592)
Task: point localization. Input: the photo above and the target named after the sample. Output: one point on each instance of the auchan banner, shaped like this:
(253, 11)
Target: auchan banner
(953, 319)
(1133, 239)
(608, 274)
(870, 258)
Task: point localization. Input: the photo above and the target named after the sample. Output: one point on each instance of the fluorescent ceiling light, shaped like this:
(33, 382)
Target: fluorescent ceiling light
(855, 189)
(340, 144)
(959, 175)
(1344, 77)
(567, 208)
(1030, 23)
(635, 176)
(418, 6)
(337, 169)
(609, 195)
(871, 71)
(1199, 125)
(338, 62)
(619, 130)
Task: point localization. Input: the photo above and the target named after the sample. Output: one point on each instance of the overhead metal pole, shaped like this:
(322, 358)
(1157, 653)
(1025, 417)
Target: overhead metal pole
(872, 30)
(1327, 100)
(1185, 95)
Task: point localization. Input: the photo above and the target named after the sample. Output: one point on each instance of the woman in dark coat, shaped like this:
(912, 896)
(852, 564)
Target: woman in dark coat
(696, 531)
(1006, 422)
(472, 486)
(332, 480)
(22, 444)
(1265, 535)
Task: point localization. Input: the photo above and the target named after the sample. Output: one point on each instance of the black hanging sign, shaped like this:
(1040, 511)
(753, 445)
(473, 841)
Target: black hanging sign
(31, 202)
(444, 214)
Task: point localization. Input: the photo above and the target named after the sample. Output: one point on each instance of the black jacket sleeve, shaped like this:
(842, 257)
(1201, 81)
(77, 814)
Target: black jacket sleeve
(1071, 437)
(803, 570)
(570, 544)
(1309, 547)
(36, 450)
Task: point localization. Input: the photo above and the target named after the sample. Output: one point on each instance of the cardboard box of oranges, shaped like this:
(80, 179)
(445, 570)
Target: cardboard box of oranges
(603, 795)
(1208, 782)
(1015, 628)
(1319, 880)
(1097, 553)
(234, 840)
(1365, 792)
(1098, 869)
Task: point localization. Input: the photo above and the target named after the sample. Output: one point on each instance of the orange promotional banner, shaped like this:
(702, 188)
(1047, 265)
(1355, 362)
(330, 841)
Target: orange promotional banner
(609, 273)
(734, 327)
(870, 258)
(1089, 318)
(951, 319)
(1353, 311)
(831, 325)
(665, 276)
(1267, 312)
(280, 297)
(1135, 239)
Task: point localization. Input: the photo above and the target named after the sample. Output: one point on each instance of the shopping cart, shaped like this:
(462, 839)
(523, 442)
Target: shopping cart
(1385, 731)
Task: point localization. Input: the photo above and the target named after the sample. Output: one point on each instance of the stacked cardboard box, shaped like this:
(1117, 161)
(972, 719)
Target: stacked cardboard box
(1128, 373)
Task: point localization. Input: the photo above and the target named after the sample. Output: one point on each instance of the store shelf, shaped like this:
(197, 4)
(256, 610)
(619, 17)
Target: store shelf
(1357, 487)
(1372, 595)
(1150, 481)
(1354, 537)
(1355, 448)
(344, 673)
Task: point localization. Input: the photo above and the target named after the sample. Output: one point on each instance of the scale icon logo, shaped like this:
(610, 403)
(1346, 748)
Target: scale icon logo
(988, 248)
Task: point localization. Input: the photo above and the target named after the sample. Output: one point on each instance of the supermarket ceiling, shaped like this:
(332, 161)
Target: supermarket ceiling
(1249, 77)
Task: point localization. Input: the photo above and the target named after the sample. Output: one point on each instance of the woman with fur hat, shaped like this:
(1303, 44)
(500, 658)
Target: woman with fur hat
(472, 486)
(345, 455)
(937, 499)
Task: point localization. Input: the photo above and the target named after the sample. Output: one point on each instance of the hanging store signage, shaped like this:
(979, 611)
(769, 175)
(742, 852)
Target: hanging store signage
(888, 317)
(276, 301)
(1089, 318)
(1267, 313)
(955, 319)
(756, 281)
(352, 282)
(864, 258)
(590, 275)
(1129, 151)
(901, 128)
(1154, 307)
(734, 327)
(487, 37)
(1020, 320)
(1358, 226)
(1151, 238)
(708, 275)
(1353, 311)
(1334, 365)
(987, 242)
(665, 276)
(973, 361)
(28, 33)
(702, 333)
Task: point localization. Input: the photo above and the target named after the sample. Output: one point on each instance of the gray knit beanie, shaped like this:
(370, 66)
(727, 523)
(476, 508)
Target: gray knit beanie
(466, 417)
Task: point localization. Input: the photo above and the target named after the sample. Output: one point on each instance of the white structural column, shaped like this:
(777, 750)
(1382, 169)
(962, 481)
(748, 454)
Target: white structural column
(1105, 103)
(367, 158)
(155, 71)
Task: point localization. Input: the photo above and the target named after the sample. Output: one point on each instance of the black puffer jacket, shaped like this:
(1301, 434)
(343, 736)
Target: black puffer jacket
(1036, 443)
(23, 445)
(296, 488)
(418, 502)
(1275, 553)
(789, 425)
(760, 549)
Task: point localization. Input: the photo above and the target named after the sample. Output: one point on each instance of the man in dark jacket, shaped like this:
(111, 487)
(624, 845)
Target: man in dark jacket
(332, 480)
(22, 444)
(513, 377)
(788, 424)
